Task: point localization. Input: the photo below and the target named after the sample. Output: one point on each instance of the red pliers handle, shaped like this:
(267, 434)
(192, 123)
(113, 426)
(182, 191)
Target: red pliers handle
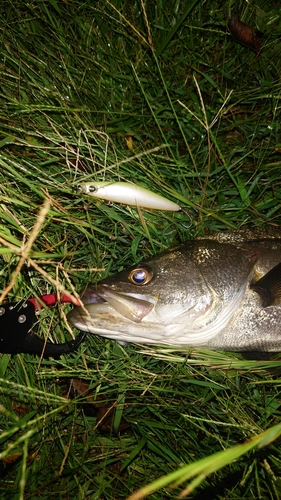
(17, 324)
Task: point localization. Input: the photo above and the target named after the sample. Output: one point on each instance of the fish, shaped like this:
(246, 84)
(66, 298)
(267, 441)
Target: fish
(221, 291)
(128, 194)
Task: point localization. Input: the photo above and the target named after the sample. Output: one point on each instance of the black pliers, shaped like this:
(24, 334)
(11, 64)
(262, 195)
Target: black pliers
(17, 328)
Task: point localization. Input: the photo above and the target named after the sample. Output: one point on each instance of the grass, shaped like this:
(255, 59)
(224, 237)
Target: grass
(161, 94)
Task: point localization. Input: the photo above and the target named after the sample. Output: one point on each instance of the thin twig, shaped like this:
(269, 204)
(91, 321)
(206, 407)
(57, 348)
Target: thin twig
(24, 251)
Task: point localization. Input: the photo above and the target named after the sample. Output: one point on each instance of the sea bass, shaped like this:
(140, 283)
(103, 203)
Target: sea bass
(222, 291)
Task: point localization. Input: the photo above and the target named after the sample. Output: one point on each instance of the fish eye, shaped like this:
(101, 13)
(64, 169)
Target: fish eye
(141, 275)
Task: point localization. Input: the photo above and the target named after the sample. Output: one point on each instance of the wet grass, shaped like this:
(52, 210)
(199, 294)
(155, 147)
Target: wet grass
(158, 93)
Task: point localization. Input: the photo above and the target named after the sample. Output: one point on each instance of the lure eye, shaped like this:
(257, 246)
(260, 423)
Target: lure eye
(92, 189)
(141, 275)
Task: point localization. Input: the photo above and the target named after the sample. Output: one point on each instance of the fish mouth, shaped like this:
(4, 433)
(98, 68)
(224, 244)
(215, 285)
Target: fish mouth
(105, 302)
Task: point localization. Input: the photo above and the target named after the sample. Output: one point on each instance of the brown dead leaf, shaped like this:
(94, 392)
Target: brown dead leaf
(95, 406)
(241, 32)
(11, 459)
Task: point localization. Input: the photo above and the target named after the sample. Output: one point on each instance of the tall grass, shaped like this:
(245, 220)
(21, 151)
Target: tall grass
(158, 93)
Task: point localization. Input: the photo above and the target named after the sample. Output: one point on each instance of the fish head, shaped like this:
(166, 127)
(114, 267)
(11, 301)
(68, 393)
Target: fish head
(181, 290)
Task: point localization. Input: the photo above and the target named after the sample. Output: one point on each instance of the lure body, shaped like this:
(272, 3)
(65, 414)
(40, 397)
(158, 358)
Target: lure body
(128, 194)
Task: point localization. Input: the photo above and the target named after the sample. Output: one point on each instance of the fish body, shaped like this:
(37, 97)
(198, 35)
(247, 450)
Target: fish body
(221, 292)
(128, 194)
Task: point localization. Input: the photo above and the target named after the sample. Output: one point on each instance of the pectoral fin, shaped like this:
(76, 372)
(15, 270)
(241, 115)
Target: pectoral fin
(269, 287)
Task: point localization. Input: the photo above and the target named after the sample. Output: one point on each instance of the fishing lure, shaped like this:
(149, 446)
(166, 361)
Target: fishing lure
(128, 194)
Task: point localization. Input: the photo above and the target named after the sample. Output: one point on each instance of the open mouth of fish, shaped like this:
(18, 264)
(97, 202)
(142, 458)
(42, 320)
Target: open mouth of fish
(106, 303)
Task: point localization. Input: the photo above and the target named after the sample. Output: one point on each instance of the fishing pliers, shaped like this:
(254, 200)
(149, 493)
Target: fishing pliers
(17, 328)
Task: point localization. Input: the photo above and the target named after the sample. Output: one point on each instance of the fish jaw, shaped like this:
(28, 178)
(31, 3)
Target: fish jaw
(128, 306)
(105, 321)
(105, 304)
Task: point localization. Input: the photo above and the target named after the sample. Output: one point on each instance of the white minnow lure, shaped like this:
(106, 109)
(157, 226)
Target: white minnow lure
(128, 194)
